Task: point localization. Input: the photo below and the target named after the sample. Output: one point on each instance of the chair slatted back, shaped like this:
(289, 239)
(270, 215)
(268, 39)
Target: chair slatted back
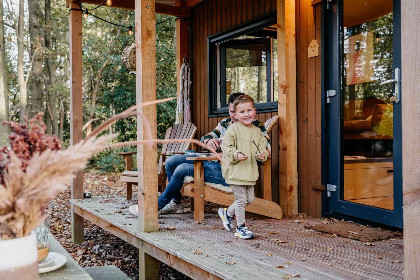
(179, 131)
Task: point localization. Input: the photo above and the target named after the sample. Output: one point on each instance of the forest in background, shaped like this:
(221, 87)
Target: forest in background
(34, 69)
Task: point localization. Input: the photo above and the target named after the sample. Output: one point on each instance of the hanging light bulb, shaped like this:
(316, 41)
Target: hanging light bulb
(108, 2)
(130, 32)
(86, 13)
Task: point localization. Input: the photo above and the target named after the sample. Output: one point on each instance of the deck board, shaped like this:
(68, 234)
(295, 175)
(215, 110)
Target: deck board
(211, 249)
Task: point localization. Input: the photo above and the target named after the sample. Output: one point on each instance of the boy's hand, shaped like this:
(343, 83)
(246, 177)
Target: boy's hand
(242, 157)
(260, 156)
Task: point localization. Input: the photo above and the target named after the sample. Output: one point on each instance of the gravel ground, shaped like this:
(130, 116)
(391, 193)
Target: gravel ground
(100, 247)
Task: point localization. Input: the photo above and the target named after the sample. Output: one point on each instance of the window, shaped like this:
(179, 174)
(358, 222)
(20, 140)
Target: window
(244, 59)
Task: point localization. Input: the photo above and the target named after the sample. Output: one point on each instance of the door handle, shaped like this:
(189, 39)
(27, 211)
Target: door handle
(396, 81)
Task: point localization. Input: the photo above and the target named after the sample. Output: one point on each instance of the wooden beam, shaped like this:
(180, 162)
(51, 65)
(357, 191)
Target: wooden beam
(286, 31)
(146, 91)
(181, 47)
(192, 3)
(183, 12)
(148, 265)
(410, 107)
(76, 112)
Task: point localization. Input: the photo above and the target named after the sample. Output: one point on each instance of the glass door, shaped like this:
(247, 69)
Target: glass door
(364, 109)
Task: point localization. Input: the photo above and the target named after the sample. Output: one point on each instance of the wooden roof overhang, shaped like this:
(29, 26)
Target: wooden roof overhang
(166, 7)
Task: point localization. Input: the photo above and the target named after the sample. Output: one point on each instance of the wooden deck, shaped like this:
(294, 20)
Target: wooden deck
(282, 248)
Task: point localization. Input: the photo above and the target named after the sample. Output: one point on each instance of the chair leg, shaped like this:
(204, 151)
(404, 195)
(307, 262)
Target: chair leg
(129, 194)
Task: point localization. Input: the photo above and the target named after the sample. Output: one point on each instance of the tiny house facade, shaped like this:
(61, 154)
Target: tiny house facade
(331, 70)
(335, 72)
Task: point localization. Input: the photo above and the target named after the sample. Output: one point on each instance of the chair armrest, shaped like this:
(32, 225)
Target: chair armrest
(127, 153)
(170, 154)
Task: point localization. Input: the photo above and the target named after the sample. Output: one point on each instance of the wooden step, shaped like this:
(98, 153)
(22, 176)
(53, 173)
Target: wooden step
(106, 272)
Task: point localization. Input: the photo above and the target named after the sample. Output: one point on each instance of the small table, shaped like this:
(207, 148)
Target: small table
(199, 191)
(70, 270)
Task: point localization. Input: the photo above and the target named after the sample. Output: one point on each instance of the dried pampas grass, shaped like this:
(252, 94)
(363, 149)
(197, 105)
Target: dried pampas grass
(27, 191)
(25, 194)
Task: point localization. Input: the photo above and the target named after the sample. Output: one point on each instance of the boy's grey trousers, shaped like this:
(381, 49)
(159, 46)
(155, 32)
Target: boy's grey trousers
(244, 195)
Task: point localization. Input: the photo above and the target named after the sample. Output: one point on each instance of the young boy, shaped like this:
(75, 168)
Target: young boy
(243, 145)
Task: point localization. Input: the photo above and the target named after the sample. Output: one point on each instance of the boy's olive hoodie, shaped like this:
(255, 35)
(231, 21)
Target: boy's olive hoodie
(240, 139)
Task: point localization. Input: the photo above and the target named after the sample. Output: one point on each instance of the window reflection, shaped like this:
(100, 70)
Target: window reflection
(367, 110)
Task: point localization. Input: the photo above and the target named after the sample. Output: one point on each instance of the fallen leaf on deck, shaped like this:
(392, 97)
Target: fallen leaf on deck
(368, 244)
(329, 249)
(169, 228)
(280, 266)
(274, 232)
(268, 254)
(396, 261)
(290, 276)
(231, 263)
(379, 257)
(197, 252)
(288, 263)
(280, 241)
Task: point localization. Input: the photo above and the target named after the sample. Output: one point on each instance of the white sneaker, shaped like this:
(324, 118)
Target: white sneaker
(134, 209)
(172, 208)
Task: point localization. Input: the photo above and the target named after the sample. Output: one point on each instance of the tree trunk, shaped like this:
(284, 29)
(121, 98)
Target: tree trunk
(36, 38)
(61, 120)
(21, 73)
(4, 108)
(52, 94)
(98, 78)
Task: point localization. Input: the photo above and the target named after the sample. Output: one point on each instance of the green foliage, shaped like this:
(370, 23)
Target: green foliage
(109, 161)
(116, 86)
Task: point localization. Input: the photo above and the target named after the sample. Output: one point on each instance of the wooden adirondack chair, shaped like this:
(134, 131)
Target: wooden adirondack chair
(202, 191)
(178, 131)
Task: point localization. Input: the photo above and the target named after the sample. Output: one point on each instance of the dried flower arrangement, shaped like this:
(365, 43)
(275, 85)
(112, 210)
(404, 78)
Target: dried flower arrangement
(34, 168)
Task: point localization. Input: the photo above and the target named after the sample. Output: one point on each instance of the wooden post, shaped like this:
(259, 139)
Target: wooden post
(286, 51)
(76, 113)
(199, 191)
(148, 265)
(146, 91)
(410, 102)
(181, 46)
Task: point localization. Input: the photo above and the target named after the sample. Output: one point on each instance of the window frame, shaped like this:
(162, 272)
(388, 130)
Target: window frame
(213, 61)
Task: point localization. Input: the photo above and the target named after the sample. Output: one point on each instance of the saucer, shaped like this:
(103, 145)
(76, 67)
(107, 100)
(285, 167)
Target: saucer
(52, 262)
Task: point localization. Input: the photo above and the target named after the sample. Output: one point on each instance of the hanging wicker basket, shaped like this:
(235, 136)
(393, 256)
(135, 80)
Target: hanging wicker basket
(128, 58)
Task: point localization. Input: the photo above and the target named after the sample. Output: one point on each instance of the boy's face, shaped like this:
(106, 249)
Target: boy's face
(245, 113)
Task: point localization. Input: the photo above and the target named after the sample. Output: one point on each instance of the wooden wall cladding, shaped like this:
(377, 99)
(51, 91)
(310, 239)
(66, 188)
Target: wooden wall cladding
(208, 18)
(308, 25)
(213, 16)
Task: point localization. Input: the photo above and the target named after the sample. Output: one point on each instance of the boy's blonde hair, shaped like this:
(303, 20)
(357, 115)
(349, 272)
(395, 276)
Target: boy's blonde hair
(243, 99)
